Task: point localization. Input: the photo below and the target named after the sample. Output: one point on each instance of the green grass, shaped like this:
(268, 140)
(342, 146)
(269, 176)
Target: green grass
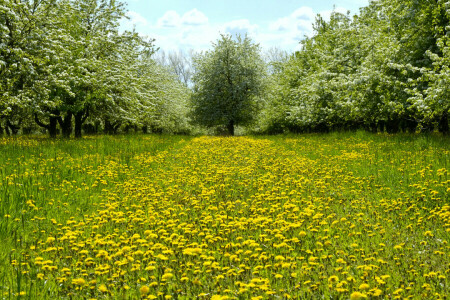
(281, 216)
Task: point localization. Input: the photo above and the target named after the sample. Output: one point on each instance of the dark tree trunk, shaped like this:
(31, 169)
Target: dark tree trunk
(373, 127)
(80, 118)
(78, 124)
(410, 125)
(66, 124)
(145, 129)
(1, 129)
(8, 133)
(127, 128)
(393, 126)
(116, 126)
(443, 123)
(111, 128)
(381, 125)
(52, 130)
(107, 128)
(230, 128)
(51, 126)
(14, 128)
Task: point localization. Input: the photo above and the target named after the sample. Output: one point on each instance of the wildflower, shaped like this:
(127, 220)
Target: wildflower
(364, 286)
(357, 296)
(78, 281)
(144, 290)
(102, 288)
(167, 276)
(333, 278)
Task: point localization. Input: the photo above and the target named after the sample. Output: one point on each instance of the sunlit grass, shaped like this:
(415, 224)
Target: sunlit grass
(339, 216)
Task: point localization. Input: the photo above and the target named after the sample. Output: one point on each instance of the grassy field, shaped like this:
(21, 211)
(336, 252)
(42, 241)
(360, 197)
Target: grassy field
(338, 216)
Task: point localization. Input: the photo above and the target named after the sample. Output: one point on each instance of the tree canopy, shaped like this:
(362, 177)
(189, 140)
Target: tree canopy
(227, 83)
(385, 69)
(65, 67)
(65, 62)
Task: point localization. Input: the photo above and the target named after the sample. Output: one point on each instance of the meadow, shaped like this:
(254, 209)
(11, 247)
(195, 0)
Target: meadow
(336, 216)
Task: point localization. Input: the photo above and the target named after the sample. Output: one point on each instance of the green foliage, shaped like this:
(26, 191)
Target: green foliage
(65, 62)
(227, 83)
(375, 71)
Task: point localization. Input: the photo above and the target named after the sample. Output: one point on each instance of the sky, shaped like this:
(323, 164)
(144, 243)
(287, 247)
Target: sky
(196, 24)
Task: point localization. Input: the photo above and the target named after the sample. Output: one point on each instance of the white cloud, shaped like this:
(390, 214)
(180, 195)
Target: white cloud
(193, 30)
(281, 24)
(136, 18)
(300, 21)
(288, 31)
(240, 27)
(304, 13)
(170, 19)
(194, 17)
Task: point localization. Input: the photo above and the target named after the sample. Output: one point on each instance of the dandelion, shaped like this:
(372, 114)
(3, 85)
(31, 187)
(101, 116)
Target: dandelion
(333, 278)
(102, 288)
(144, 290)
(364, 286)
(78, 281)
(357, 296)
(167, 276)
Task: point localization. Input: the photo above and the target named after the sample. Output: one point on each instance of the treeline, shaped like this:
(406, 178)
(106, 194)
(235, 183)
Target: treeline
(66, 67)
(386, 69)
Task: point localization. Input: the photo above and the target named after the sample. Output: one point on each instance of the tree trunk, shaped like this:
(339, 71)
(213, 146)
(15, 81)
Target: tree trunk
(393, 125)
(14, 128)
(80, 118)
(116, 126)
(51, 126)
(111, 128)
(8, 133)
(107, 128)
(145, 129)
(66, 124)
(230, 127)
(1, 129)
(381, 124)
(443, 123)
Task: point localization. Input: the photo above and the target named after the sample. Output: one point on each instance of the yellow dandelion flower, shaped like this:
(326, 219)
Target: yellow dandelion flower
(144, 290)
(357, 296)
(377, 292)
(167, 276)
(364, 286)
(398, 291)
(279, 258)
(333, 278)
(102, 288)
(219, 297)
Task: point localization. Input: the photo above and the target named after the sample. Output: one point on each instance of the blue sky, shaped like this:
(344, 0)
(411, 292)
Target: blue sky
(195, 24)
